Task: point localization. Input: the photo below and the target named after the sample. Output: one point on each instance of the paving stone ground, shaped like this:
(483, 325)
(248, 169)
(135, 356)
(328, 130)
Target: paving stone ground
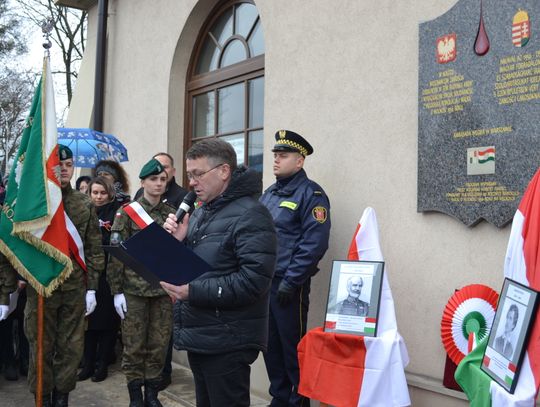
(110, 393)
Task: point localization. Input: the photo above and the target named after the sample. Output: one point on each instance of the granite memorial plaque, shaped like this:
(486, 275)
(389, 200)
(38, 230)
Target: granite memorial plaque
(479, 109)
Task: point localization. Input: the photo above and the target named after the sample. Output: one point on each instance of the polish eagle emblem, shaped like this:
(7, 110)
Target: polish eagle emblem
(446, 48)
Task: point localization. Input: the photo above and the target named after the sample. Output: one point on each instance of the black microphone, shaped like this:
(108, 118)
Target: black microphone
(186, 206)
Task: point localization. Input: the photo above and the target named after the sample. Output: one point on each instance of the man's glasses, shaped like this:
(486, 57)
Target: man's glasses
(197, 177)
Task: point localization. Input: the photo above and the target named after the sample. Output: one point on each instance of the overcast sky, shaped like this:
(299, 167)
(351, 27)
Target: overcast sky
(33, 61)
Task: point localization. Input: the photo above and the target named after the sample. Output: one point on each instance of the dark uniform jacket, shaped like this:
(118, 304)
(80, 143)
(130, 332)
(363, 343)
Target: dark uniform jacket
(352, 306)
(122, 279)
(227, 307)
(104, 316)
(504, 347)
(80, 210)
(8, 280)
(173, 195)
(301, 213)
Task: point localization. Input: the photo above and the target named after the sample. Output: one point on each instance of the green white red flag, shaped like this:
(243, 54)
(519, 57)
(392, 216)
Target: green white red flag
(522, 264)
(33, 234)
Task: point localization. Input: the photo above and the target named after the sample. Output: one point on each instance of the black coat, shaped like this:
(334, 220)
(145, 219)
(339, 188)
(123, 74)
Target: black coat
(104, 316)
(227, 307)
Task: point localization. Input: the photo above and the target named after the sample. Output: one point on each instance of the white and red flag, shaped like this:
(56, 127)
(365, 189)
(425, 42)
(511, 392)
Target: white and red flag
(522, 264)
(347, 370)
(386, 356)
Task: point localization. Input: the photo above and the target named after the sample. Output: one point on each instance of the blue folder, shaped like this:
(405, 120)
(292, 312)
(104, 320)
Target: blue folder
(156, 255)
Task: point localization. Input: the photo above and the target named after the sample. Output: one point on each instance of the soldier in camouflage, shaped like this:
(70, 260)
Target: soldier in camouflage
(65, 309)
(8, 284)
(146, 312)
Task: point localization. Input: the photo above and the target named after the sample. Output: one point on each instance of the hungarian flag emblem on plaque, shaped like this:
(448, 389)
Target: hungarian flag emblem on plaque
(481, 160)
(521, 29)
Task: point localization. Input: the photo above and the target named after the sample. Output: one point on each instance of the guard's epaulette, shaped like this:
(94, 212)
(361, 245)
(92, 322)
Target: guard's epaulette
(318, 193)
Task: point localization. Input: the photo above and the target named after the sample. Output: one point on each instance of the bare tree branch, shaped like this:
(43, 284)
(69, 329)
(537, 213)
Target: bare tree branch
(69, 34)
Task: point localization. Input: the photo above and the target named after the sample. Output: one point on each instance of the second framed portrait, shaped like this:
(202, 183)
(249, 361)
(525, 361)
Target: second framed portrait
(510, 333)
(354, 297)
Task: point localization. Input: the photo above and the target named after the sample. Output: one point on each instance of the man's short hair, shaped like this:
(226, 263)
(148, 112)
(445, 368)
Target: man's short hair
(349, 280)
(166, 155)
(216, 150)
(514, 309)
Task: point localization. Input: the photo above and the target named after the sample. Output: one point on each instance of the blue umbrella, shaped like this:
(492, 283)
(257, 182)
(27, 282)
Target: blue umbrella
(90, 146)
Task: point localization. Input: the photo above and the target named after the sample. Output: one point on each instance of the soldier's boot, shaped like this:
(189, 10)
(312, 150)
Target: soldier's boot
(151, 391)
(59, 399)
(135, 393)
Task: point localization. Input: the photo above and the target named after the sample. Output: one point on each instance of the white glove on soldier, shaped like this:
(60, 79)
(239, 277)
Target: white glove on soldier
(120, 304)
(90, 302)
(4, 312)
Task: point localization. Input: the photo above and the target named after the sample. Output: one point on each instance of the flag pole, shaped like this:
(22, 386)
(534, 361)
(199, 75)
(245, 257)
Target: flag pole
(46, 28)
(39, 356)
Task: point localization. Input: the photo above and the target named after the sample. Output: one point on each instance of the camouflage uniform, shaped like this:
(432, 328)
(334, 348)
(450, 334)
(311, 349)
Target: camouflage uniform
(8, 280)
(147, 326)
(64, 310)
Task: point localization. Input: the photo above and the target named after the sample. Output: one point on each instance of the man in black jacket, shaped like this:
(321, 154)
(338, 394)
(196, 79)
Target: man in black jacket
(224, 313)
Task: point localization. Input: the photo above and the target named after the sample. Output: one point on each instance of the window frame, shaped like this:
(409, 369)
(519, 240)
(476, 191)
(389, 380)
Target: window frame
(241, 72)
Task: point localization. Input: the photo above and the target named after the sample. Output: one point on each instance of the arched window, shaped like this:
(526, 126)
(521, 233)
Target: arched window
(225, 87)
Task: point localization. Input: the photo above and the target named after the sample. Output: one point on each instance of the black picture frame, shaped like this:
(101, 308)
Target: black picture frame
(509, 336)
(345, 311)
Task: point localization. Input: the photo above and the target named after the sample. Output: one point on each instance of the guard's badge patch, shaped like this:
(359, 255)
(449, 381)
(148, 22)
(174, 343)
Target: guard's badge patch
(319, 214)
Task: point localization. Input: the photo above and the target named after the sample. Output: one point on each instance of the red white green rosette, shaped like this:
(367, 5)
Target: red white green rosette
(467, 318)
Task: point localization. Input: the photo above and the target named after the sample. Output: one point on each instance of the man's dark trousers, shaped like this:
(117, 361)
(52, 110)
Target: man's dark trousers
(222, 379)
(287, 327)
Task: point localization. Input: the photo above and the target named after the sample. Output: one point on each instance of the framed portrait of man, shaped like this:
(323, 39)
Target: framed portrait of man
(354, 297)
(509, 334)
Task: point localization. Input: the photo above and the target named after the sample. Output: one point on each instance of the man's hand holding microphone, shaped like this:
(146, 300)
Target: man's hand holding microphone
(177, 225)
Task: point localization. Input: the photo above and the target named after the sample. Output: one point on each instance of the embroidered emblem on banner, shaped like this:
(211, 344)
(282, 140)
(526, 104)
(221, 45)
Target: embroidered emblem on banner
(319, 214)
(288, 204)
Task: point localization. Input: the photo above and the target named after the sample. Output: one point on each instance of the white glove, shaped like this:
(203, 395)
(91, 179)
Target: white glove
(13, 297)
(90, 302)
(120, 304)
(4, 312)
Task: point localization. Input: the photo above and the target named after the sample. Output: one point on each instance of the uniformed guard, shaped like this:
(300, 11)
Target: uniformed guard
(146, 312)
(64, 310)
(301, 213)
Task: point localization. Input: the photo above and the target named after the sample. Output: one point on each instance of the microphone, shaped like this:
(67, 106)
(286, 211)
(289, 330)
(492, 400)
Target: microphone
(186, 206)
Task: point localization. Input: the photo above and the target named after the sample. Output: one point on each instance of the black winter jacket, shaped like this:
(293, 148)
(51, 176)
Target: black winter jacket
(227, 307)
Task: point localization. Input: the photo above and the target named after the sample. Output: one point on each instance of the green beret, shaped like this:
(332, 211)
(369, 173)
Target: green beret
(287, 141)
(152, 167)
(64, 152)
